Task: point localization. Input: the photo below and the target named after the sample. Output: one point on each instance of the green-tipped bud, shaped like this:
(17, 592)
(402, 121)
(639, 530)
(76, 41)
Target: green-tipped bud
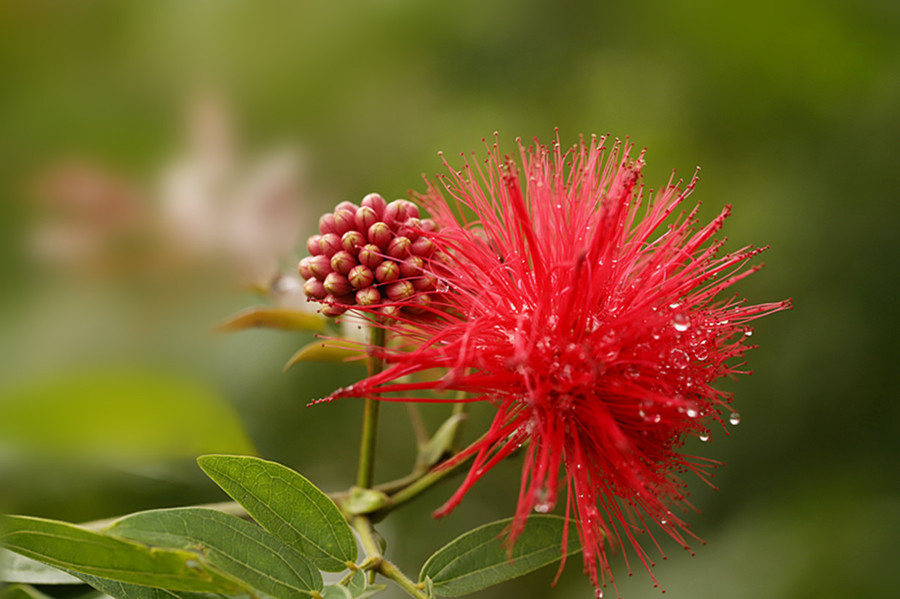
(387, 271)
(361, 276)
(411, 267)
(375, 202)
(423, 247)
(399, 247)
(319, 266)
(380, 234)
(400, 290)
(344, 220)
(312, 245)
(337, 284)
(365, 218)
(368, 296)
(351, 241)
(333, 306)
(370, 255)
(314, 289)
(326, 223)
(303, 267)
(342, 262)
(329, 244)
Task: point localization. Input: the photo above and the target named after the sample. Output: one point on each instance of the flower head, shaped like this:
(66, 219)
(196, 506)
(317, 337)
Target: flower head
(590, 315)
(372, 256)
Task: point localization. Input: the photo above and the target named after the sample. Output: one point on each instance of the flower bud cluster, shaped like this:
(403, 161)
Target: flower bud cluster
(373, 255)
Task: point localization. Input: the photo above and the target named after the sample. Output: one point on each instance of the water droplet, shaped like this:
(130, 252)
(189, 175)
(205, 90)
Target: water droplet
(701, 353)
(663, 521)
(748, 333)
(704, 437)
(734, 419)
(599, 594)
(674, 305)
(692, 413)
(543, 508)
(681, 322)
(679, 358)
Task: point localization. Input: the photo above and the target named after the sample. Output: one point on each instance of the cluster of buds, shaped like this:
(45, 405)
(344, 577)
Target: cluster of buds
(375, 255)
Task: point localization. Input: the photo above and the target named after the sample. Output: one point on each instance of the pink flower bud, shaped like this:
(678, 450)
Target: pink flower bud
(315, 289)
(346, 206)
(361, 276)
(399, 247)
(380, 234)
(329, 244)
(344, 220)
(303, 267)
(370, 255)
(337, 284)
(319, 266)
(375, 202)
(429, 225)
(389, 312)
(425, 282)
(412, 211)
(333, 306)
(400, 290)
(411, 228)
(411, 267)
(422, 247)
(365, 218)
(342, 262)
(326, 223)
(368, 296)
(395, 213)
(312, 245)
(387, 271)
(419, 304)
(351, 241)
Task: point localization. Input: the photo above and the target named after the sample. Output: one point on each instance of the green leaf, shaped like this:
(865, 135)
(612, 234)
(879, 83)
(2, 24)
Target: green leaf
(235, 546)
(364, 501)
(441, 442)
(359, 586)
(21, 591)
(285, 319)
(67, 546)
(317, 351)
(18, 568)
(288, 506)
(479, 559)
(124, 590)
(118, 416)
(336, 591)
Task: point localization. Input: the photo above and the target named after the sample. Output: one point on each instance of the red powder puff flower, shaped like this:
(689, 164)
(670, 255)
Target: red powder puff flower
(590, 317)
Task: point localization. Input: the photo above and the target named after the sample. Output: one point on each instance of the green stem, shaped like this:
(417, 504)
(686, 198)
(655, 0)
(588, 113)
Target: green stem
(366, 472)
(375, 560)
(389, 570)
(421, 484)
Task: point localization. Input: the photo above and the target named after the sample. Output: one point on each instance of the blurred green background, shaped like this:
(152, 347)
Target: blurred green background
(108, 109)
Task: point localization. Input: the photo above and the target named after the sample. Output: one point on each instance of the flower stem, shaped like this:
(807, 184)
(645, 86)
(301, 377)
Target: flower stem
(376, 562)
(366, 472)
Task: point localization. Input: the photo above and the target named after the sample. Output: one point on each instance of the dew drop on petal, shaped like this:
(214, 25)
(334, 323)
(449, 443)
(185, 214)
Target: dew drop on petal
(748, 333)
(678, 358)
(704, 437)
(599, 594)
(543, 508)
(692, 413)
(734, 419)
(681, 322)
